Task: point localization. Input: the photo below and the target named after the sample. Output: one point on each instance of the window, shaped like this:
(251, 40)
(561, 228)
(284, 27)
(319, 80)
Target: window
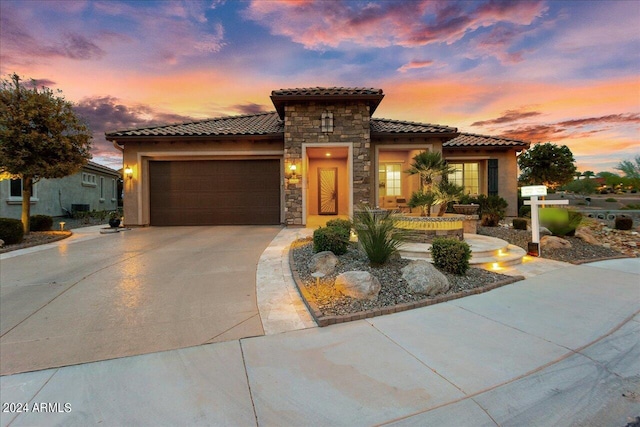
(114, 189)
(15, 190)
(466, 175)
(88, 179)
(102, 189)
(390, 179)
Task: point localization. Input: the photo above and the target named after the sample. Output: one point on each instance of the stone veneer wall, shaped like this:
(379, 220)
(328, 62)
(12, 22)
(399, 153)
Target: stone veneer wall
(351, 123)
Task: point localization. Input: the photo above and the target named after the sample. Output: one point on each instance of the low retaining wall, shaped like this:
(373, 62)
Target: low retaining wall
(426, 228)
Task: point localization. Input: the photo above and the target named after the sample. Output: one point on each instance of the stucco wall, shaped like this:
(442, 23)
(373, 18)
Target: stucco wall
(137, 155)
(507, 172)
(52, 195)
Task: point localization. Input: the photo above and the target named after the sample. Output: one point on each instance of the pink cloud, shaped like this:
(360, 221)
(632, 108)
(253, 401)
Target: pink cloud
(415, 64)
(321, 24)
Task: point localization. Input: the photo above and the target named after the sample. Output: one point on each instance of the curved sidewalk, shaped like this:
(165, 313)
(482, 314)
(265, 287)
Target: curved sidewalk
(561, 348)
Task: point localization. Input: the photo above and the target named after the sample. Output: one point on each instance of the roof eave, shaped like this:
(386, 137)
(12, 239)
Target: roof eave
(134, 138)
(449, 135)
(280, 100)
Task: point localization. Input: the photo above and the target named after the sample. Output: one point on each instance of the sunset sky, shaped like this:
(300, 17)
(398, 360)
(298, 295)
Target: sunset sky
(542, 71)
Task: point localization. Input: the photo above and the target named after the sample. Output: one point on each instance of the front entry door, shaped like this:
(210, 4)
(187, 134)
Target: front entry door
(328, 191)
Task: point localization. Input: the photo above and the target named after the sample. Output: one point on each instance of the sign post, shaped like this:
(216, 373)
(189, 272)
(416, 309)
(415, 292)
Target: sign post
(534, 191)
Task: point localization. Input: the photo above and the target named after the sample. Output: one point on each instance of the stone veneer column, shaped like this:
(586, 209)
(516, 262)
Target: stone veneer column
(351, 123)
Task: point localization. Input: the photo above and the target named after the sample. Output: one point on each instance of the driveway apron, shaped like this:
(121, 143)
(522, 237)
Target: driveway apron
(129, 293)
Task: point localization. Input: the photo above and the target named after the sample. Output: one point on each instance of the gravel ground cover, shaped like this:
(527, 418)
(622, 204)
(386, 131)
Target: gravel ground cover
(579, 251)
(394, 288)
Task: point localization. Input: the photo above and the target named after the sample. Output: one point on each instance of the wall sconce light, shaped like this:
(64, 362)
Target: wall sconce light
(327, 122)
(292, 176)
(128, 172)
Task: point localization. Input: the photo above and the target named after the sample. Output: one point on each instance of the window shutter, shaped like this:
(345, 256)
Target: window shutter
(492, 175)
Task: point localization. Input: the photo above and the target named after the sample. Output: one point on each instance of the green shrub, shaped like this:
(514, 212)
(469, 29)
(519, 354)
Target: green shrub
(631, 206)
(330, 239)
(494, 205)
(341, 224)
(451, 255)
(40, 223)
(623, 222)
(520, 223)
(566, 227)
(377, 234)
(610, 200)
(524, 211)
(11, 231)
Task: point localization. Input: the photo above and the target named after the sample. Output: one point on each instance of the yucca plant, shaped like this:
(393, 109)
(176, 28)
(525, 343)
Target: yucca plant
(377, 234)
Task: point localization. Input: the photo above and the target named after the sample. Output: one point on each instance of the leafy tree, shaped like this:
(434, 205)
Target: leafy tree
(631, 170)
(588, 174)
(40, 137)
(583, 187)
(547, 164)
(611, 179)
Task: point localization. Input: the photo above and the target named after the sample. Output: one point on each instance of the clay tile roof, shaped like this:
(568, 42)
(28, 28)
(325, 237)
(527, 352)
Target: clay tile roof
(400, 127)
(327, 91)
(251, 124)
(474, 140)
(370, 95)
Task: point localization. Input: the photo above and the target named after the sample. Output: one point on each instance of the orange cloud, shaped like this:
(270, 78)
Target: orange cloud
(322, 24)
(415, 64)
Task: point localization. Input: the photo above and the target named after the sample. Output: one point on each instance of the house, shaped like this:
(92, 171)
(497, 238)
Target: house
(94, 187)
(320, 153)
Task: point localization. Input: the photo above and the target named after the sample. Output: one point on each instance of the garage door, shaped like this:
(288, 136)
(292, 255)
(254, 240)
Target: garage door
(214, 192)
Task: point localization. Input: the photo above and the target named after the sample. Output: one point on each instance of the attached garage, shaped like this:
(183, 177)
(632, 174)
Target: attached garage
(214, 192)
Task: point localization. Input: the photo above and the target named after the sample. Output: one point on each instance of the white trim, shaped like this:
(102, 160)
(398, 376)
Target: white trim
(142, 169)
(305, 162)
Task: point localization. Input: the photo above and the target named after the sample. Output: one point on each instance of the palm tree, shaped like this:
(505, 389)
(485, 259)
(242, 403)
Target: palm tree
(578, 174)
(429, 165)
(589, 174)
(447, 192)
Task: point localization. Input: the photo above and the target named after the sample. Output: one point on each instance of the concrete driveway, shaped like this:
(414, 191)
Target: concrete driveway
(129, 293)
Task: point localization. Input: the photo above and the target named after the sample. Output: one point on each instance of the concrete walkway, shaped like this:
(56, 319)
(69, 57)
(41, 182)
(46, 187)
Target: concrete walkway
(561, 348)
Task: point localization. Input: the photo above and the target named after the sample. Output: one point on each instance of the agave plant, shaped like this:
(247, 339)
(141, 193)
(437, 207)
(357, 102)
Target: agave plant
(377, 234)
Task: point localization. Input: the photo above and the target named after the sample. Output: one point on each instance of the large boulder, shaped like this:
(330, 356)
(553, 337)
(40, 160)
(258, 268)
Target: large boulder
(1, 243)
(358, 284)
(585, 234)
(423, 278)
(554, 242)
(323, 262)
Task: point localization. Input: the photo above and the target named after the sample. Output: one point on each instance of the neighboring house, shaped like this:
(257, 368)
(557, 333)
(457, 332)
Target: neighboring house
(319, 153)
(95, 187)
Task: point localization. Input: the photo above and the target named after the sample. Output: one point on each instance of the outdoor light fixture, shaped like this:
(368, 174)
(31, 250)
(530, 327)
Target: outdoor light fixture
(128, 172)
(327, 122)
(62, 223)
(292, 176)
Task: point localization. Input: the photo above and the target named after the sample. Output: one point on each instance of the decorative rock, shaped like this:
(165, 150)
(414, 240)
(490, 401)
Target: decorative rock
(323, 262)
(553, 242)
(423, 278)
(586, 235)
(358, 284)
(1, 243)
(606, 245)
